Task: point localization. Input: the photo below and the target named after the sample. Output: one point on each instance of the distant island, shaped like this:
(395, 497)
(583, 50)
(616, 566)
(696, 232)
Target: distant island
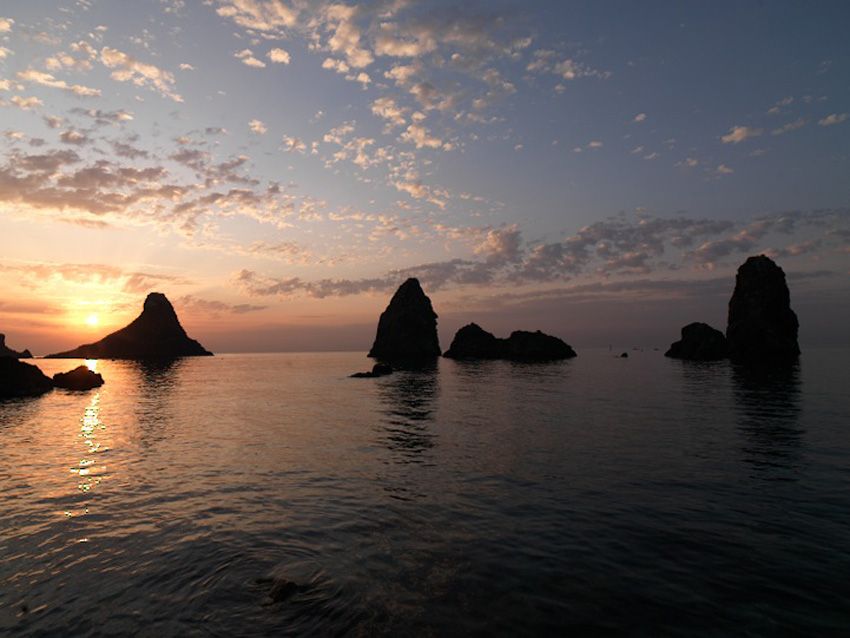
(154, 334)
(5, 351)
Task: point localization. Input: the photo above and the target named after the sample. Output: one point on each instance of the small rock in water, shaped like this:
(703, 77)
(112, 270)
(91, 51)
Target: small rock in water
(378, 370)
(80, 378)
(625, 355)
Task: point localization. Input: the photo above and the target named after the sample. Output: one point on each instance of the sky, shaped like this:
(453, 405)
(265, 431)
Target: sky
(597, 170)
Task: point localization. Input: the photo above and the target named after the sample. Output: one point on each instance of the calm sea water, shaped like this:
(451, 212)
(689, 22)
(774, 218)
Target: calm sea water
(598, 496)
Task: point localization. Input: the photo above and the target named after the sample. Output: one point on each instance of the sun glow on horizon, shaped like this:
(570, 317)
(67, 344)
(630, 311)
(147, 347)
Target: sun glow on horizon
(93, 320)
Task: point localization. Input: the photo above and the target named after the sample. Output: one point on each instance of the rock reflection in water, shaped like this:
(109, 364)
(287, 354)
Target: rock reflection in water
(408, 400)
(157, 381)
(767, 401)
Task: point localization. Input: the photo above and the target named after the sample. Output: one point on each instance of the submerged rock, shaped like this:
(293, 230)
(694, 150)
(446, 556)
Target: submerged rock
(5, 351)
(378, 370)
(407, 329)
(80, 378)
(473, 342)
(699, 342)
(154, 334)
(19, 379)
(761, 323)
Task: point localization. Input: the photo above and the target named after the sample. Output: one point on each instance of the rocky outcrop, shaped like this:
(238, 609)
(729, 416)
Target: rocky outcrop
(19, 379)
(473, 342)
(80, 378)
(154, 334)
(378, 370)
(407, 329)
(761, 324)
(700, 342)
(5, 351)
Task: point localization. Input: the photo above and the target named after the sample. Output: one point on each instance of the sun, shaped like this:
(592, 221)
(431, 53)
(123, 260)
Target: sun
(92, 320)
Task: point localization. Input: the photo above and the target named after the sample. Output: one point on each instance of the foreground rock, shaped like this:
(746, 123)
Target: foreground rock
(80, 378)
(154, 334)
(8, 352)
(761, 324)
(700, 342)
(378, 370)
(19, 379)
(473, 342)
(407, 329)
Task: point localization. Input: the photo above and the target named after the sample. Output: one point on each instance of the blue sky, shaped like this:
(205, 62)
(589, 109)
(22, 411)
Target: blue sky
(281, 165)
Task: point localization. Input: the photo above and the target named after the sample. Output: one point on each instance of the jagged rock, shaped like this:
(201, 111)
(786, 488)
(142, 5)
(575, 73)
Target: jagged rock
(19, 379)
(5, 351)
(761, 323)
(407, 329)
(80, 378)
(154, 334)
(700, 342)
(378, 370)
(473, 342)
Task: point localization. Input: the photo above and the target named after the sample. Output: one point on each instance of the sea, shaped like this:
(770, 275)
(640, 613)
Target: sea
(271, 494)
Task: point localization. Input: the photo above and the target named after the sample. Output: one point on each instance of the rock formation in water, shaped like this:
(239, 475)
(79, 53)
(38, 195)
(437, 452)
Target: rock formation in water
(378, 370)
(80, 378)
(407, 329)
(5, 351)
(19, 379)
(154, 334)
(700, 342)
(473, 342)
(761, 324)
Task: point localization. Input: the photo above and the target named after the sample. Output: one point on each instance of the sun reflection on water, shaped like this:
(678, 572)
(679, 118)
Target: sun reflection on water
(91, 364)
(88, 469)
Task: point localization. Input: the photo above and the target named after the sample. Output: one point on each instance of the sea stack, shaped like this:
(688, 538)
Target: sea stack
(761, 325)
(473, 342)
(700, 342)
(19, 379)
(5, 351)
(154, 334)
(407, 329)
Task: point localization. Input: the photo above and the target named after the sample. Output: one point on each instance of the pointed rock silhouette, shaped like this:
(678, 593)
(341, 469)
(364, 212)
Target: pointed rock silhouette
(154, 334)
(5, 351)
(407, 329)
(761, 323)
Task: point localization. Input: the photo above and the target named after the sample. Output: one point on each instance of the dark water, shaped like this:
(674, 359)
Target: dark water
(598, 496)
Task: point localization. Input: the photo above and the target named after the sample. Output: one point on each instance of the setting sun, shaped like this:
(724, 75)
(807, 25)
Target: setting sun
(92, 320)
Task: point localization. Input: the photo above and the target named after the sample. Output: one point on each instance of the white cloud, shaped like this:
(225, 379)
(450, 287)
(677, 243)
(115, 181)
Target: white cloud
(386, 108)
(738, 134)
(6, 25)
(293, 145)
(640, 117)
(46, 79)
(246, 56)
(279, 56)
(835, 118)
(421, 137)
(257, 127)
(722, 169)
(129, 69)
(186, 67)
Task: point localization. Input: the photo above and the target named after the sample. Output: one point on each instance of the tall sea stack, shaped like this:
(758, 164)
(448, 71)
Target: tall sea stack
(407, 329)
(761, 325)
(154, 334)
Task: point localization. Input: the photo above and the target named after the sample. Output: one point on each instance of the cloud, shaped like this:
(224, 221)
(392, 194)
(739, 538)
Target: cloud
(640, 117)
(46, 79)
(260, 15)
(293, 145)
(279, 56)
(25, 103)
(129, 69)
(209, 308)
(722, 169)
(386, 108)
(6, 25)
(186, 67)
(74, 137)
(738, 134)
(257, 127)
(790, 126)
(420, 136)
(246, 56)
(833, 119)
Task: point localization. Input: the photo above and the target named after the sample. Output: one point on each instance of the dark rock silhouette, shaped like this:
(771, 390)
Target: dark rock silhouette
(761, 324)
(473, 342)
(154, 334)
(80, 378)
(378, 370)
(19, 379)
(407, 329)
(5, 351)
(700, 342)
(624, 355)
